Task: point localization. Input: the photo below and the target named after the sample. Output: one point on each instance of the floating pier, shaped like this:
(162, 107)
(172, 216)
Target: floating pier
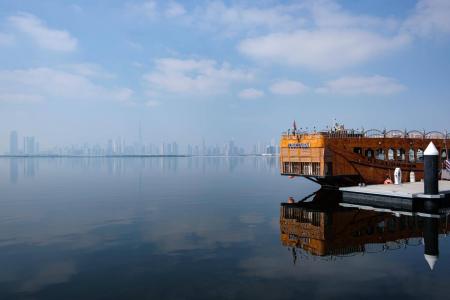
(430, 193)
(400, 196)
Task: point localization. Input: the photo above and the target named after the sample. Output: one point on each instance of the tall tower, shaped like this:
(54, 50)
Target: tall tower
(29, 145)
(140, 145)
(13, 143)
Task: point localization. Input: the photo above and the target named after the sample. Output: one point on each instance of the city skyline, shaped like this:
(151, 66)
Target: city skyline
(120, 146)
(220, 70)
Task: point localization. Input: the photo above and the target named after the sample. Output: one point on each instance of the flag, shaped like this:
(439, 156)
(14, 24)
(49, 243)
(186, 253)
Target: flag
(447, 164)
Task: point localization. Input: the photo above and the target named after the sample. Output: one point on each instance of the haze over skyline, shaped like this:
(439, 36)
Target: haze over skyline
(80, 71)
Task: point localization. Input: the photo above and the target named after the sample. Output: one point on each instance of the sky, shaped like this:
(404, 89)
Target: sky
(85, 71)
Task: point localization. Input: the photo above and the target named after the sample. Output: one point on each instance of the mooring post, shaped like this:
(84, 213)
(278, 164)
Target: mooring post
(431, 170)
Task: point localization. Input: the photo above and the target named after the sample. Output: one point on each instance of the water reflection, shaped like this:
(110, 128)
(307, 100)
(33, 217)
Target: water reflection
(118, 224)
(322, 225)
(28, 167)
(209, 228)
(22, 167)
(13, 170)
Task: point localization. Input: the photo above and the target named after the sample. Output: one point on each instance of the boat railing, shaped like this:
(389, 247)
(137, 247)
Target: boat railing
(371, 133)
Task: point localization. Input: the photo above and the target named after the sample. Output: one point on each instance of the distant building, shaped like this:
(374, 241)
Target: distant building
(174, 148)
(13, 143)
(118, 146)
(29, 145)
(271, 149)
(231, 148)
(204, 150)
(167, 149)
(109, 147)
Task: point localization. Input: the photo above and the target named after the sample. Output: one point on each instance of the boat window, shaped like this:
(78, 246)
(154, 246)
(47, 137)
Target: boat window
(316, 218)
(329, 168)
(380, 154)
(369, 153)
(357, 150)
(400, 154)
(411, 155)
(419, 155)
(391, 154)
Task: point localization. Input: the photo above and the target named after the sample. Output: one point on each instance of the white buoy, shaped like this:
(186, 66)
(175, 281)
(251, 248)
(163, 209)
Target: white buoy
(397, 176)
(412, 176)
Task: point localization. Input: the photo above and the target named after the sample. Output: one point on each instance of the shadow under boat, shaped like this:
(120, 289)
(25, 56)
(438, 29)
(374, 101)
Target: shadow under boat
(323, 224)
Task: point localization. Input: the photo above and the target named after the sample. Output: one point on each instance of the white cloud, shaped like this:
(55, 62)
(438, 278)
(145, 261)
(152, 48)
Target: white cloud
(155, 11)
(19, 98)
(320, 49)
(152, 103)
(147, 9)
(174, 9)
(237, 18)
(38, 84)
(316, 34)
(45, 37)
(250, 94)
(76, 8)
(319, 14)
(90, 70)
(6, 39)
(329, 14)
(288, 87)
(135, 45)
(319, 35)
(360, 85)
(430, 16)
(193, 76)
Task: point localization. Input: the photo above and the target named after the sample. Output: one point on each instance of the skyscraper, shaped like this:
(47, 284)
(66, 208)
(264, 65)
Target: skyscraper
(109, 147)
(174, 148)
(139, 149)
(29, 145)
(13, 143)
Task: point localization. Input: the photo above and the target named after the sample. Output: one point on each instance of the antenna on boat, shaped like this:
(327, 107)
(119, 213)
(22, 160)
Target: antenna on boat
(445, 143)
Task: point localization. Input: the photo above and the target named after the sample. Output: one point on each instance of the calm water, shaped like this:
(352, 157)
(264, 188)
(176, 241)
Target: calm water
(199, 228)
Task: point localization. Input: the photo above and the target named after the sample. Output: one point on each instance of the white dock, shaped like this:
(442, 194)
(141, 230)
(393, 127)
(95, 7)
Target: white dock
(404, 190)
(406, 196)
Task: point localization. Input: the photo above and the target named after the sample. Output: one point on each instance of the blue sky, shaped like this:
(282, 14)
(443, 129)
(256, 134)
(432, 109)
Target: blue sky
(86, 71)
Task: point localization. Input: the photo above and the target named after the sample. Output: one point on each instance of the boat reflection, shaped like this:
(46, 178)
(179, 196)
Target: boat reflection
(324, 226)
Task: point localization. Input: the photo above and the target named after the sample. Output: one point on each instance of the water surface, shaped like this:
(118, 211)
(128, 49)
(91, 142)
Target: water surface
(197, 228)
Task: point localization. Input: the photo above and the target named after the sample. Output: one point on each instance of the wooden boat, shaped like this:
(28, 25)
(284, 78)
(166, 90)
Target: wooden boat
(340, 157)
